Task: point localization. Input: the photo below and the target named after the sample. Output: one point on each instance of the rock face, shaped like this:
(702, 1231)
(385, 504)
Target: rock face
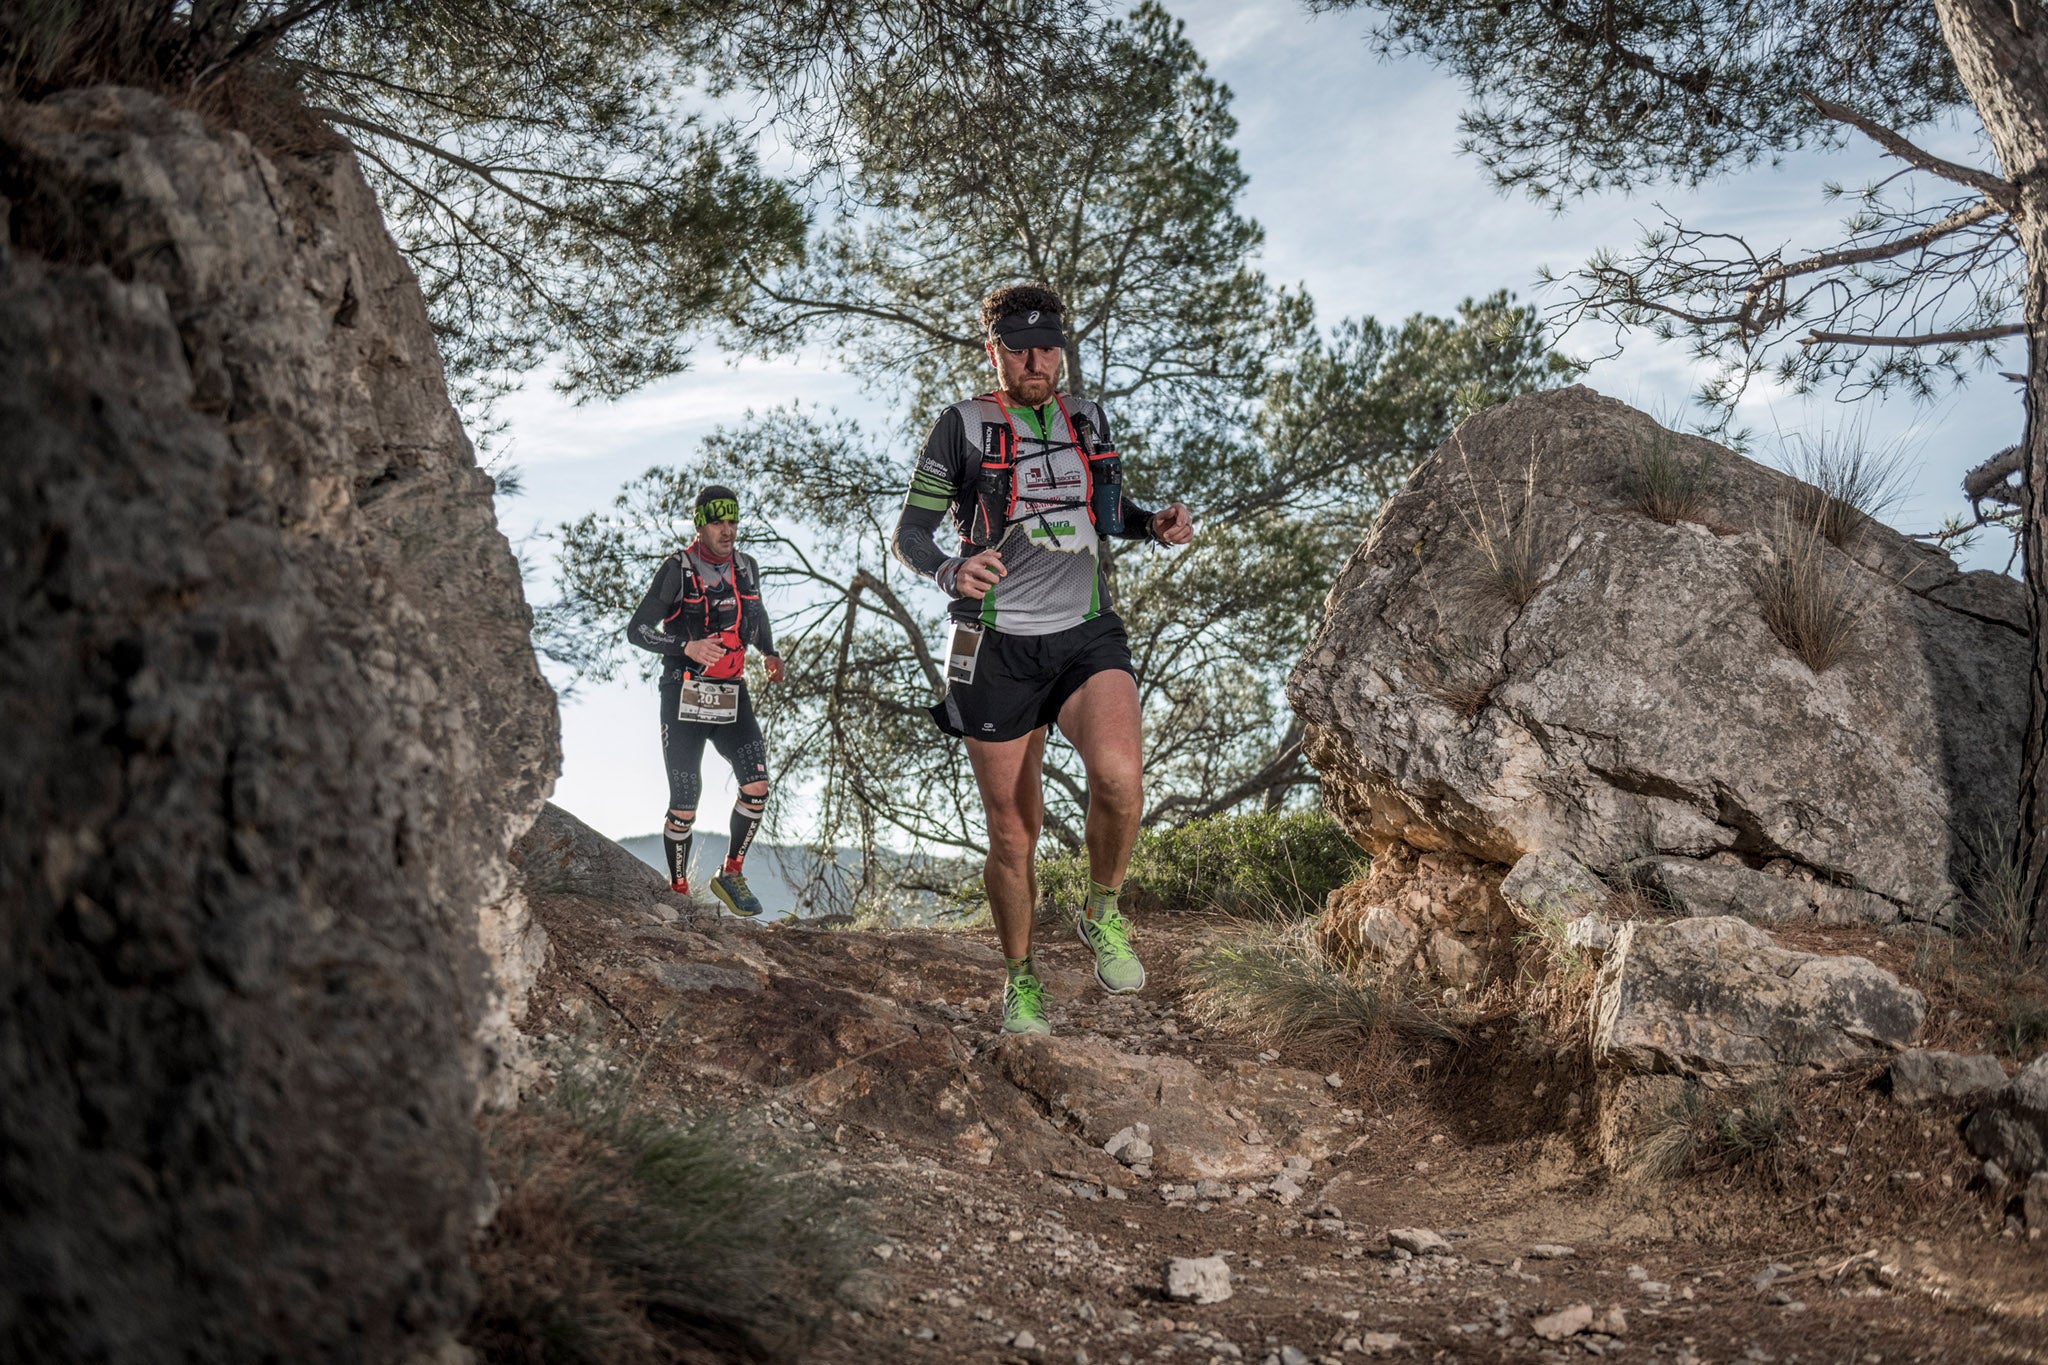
(273, 720)
(1636, 703)
(1718, 998)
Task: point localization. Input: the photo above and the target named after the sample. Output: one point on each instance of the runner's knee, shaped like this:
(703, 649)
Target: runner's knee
(751, 801)
(679, 822)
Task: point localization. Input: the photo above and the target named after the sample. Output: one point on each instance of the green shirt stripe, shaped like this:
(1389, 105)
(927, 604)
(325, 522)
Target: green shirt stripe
(929, 502)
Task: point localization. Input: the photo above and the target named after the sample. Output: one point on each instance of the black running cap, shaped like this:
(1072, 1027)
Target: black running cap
(1022, 331)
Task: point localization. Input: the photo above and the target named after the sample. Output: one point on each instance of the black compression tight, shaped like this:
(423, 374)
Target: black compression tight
(738, 742)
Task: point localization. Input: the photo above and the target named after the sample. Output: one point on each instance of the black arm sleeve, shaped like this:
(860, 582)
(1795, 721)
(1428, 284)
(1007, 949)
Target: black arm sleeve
(935, 483)
(754, 628)
(645, 629)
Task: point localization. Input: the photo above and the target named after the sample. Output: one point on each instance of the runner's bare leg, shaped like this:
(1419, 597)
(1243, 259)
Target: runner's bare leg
(1013, 802)
(1101, 720)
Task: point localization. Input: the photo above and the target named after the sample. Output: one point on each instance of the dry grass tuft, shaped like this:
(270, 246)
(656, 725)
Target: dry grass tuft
(1663, 484)
(1462, 675)
(1809, 592)
(1703, 1130)
(1277, 987)
(625, 1238)
(1846, 483)
(1509, 546)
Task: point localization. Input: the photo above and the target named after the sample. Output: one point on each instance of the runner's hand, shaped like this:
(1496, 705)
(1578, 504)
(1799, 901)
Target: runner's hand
(774, 667)
(1173, 525)
(975, 577)
(705, 652)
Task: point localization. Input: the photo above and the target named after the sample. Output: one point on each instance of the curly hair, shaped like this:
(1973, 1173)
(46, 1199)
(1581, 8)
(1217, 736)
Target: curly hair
(1019, 298)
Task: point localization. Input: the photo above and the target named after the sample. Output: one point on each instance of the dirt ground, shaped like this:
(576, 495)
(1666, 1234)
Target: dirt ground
(997, 1233)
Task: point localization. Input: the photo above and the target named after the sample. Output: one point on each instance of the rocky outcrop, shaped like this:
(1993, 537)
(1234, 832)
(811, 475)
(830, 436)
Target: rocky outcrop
(1718, 998)
(1201, 1126)
(1625, 697)
(273, 721)
(2012, 1129)
(1922, 1075)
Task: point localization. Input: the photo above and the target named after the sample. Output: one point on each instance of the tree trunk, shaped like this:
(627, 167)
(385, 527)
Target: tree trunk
(2000, 49)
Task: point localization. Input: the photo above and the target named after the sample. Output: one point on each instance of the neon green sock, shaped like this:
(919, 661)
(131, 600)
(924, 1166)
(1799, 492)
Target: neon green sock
(1014, 967)
(1101, 899)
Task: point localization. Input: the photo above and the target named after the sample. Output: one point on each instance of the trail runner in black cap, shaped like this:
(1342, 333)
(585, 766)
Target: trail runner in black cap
(700, 614)
(1034, 485)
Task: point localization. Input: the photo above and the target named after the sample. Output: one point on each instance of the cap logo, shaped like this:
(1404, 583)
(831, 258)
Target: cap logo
(1032, 319)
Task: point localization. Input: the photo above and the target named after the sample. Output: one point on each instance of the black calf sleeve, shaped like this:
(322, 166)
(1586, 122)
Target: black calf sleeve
(675, 840)
(746, 818)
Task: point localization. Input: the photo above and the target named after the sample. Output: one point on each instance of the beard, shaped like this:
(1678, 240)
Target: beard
(1033, 389)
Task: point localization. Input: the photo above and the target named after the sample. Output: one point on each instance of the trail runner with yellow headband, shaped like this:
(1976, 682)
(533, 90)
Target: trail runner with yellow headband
(1034, 486)
(701, 613)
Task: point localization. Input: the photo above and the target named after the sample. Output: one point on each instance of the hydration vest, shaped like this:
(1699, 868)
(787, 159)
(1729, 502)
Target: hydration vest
(995, 489)
(695, 597)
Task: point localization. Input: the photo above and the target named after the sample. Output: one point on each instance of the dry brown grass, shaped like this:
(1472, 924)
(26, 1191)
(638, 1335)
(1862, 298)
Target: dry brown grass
(1846, 483)
(1664, 484)
(1277, 986)
(1508, 545)
(1809, 591)
(624, 1238)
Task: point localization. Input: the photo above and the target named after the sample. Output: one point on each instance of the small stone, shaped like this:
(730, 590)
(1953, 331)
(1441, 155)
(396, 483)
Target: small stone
(1284, 1189)
(1657, 1287)
(1418, 1242)
(1995, 1176)
(1299, 1165)
(1920, 1075)
(1290, 1356)
(1564, 1323)
(1116, 1193)
(1197, 1279)
(1372, 1343)
(1638, 1274)
(1211, 1189)
(1024, 1341)
(1613, 1322)
(2034, 1203)
(1550, 1251)
(1333, 1080)
(883, 1251)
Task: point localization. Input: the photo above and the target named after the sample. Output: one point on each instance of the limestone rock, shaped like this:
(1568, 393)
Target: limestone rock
(1202, 1125)
(1720, 997)
(1418, 1241)
(1637, 699)
(1197, 1279)
(1554, 886)
(1705, 889)
(2012, 1130)
(1919, 1075)
(273, 722)
(2034, 1205)
(1439, 914)
(1564, 1322)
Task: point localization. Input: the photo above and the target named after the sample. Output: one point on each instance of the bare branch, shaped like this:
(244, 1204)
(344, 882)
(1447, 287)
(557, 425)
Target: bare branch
(1995, 188)
(1962, 338)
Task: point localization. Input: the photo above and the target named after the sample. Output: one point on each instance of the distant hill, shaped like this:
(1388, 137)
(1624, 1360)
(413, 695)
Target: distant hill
(774, 871)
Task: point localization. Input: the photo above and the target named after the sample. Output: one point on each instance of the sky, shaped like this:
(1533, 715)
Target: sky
(1365, 200)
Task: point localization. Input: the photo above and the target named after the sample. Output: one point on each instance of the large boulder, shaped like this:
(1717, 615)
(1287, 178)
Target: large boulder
(1718, 998)
(2012, 1129)
(1635, 703)
(273, 720)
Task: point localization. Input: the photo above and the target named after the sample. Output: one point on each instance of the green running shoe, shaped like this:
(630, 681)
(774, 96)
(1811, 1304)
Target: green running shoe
(1024, 1005)
(731, 888)
(1116, 966)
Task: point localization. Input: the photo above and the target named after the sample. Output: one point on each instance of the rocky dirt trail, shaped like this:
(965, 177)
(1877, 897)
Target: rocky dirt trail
(1432, 1207)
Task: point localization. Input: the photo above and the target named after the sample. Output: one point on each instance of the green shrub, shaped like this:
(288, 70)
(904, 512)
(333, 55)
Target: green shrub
(1666, 485)
(1702, 1130)
(1278, 863)
(622, 1237)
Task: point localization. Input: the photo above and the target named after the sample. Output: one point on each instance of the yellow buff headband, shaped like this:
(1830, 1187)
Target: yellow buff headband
(718, 509)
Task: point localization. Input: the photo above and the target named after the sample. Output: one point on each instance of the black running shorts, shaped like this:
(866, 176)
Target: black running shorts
(1022, 681)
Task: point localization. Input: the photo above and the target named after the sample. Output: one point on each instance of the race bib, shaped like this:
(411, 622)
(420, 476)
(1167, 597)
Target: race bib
(708, 703)
(963, 652)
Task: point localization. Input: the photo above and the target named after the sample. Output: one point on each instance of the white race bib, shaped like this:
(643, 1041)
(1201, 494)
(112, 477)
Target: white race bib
(963, 652)
(708, 703)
